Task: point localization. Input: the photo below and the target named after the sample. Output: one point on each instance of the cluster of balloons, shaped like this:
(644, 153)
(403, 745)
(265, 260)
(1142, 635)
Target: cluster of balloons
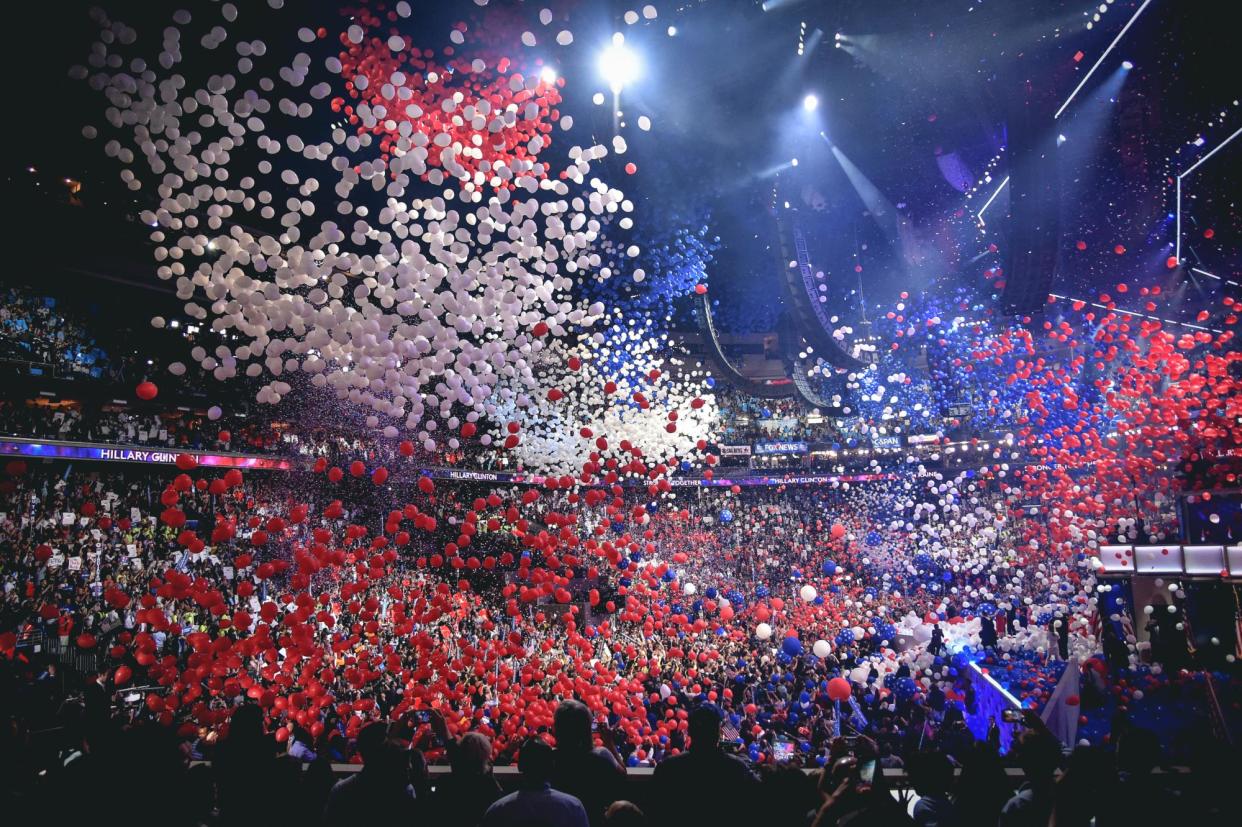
(428, 308)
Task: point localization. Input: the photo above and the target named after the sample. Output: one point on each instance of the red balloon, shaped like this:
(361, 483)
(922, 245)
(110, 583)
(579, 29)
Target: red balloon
(146, 390)
(838, 689)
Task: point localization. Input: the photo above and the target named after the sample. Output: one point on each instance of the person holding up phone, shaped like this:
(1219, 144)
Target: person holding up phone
(854, 788)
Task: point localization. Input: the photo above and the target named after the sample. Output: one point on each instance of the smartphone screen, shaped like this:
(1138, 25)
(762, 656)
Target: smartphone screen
(866, 772)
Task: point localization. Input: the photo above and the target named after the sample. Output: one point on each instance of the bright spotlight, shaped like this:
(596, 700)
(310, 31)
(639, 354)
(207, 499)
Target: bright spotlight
(672, 31)
(794, 162)
(547, 74)
(619, 66)
(1127, 65)
(810, 103)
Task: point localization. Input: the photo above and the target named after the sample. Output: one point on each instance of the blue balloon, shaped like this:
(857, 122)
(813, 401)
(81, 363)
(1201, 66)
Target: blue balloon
(829, 568)
(792, 647)
(904, 688)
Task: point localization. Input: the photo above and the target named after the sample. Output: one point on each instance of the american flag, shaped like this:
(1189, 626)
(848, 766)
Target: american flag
(728, 731)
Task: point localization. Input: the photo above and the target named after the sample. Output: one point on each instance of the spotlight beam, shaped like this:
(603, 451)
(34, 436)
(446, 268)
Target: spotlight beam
(1116, 40)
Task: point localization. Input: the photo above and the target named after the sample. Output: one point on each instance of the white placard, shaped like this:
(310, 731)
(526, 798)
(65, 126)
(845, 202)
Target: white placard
(75, 564)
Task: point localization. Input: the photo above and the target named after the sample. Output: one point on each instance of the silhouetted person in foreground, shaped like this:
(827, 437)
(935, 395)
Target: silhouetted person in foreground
(536, 803)
(1141, 797)
(590, 774)
(380, 792)
(983, 787)
(931, 775)
(1039, 754)
(247, 771)
(689, 787)
(463, 796)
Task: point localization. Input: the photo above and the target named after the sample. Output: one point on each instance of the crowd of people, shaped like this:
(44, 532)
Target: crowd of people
(429, 629)
(33, 329)
(747, 419)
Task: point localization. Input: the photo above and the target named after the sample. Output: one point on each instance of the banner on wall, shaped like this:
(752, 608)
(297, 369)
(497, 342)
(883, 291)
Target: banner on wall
(780, 447)
(112, 453)
(734, 450)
